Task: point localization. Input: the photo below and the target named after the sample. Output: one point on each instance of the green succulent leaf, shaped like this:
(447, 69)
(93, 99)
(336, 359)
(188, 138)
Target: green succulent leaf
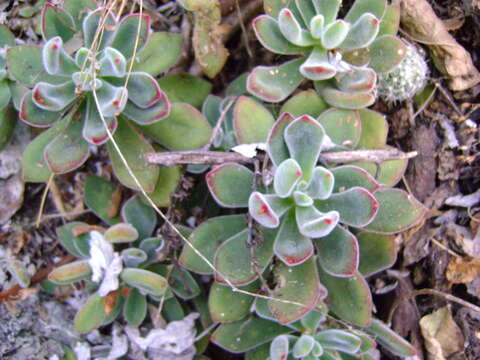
(303, 346)
(357, 206)
(144, 91)
(141, 216)
(31, 114)
(391, 19)
(131, 34)
(90, 24)
(152, 115)
(306, 9)
(133, 257)
(276, 147)
(329, 9)
(362, 33)
(290, 245)
(8, 121)
(251, 121)
(267, 209)
(343, 99)
(53, 97)
(91, 314)
(275, 83)
(208, 237)
(322, 183)
(338, 252)
(68, 150)
(304, 137)
(391, 340)
(339, 340)
(25, 65)
(112, 63)
(349, 298)
(226, 305)
(268, 33)
(230, 184)
(313, 223)
(398, 211)
(317, 66)
(358, 80)
(279, 347)
(377, 252)
(287, 176)
(390, 172)
(144, 280)
(35, 168)
(304, 102)
(6, 36)
(94, 131)
(57, 22)
(78, 9)
(184, 129)
(70, 273)
(101, 197)
(386, 52)
(133, 147)
(135, 308)
(299, 284)
(360, 7)
(291, 28)
(348, 176)
(185, 88)
(55, 60)
(168, 181)
(233, 259)
(75, 245)
(121, 233)
(374, 130)
(169, 45)
(241, 336)
(334, 34)
(342, 126)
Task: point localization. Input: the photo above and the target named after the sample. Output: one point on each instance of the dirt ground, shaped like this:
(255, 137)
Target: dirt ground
(438, 267)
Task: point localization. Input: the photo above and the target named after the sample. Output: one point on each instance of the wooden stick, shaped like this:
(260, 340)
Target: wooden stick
(219, 157)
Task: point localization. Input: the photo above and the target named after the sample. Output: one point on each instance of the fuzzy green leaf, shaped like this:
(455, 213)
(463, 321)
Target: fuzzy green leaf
(207, 237)
(145, 281)
(152, 115)
(133, 257)
(340, 340)
(268, 33)
(112, 63)
(275, 83)
(305, 102)
(338, 252)
(267, 209)
(91, 23)
(362, 33)
(101, 198)
(391, 340)
(70, 273)
(303, 346)
(226, 305)
(315, 224)
(135, 308)
(386, 52)
(291, 29)
(68, 150)
(360, 7)
(357, 206)
(398, 211)
(121, 233)
(8, 121)
(185, 88)
(247, 334)
(374, 130)
(317, 66)
(78, 9)
(390, 172)
(55, 60)
(53, 97)
(167, 183)
(391, 19)
(6, 36)
(184, 129)
(91, 314)
(144, 91)
(304, 138)
(322, 183)
(349, 298)
(251, 121)
(334, 34)
(298, 284)
(131, 34)
(358, 80)
(93, 129)
(342, 126)
(329, 9)
(345, 100)
(230, 184)
(57, 22)
(169, 45)
(348, 176)
(287, 175)
(31, 114)
(276, 147)
(133, 147)
(377, 252)
(279, 347)
(290, 245)
(141, 216)
(233, 258)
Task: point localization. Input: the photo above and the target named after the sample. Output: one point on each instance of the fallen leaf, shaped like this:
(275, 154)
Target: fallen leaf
(460, 271)
(442, 335)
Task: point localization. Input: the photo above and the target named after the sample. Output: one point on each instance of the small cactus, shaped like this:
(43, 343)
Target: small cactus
(335, 53)
(406, 80)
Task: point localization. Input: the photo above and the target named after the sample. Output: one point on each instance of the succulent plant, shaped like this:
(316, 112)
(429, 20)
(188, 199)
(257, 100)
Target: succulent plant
(124, 278)
(405, 80)
(342, 57)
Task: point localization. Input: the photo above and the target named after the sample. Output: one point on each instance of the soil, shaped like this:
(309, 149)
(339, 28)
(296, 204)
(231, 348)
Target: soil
(442, 253)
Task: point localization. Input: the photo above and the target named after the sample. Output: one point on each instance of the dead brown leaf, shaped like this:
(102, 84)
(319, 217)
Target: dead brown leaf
(449, 57)
(442, 335)
(460, 271)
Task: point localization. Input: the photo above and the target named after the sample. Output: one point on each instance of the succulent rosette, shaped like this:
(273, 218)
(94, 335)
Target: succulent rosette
(342, 56)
